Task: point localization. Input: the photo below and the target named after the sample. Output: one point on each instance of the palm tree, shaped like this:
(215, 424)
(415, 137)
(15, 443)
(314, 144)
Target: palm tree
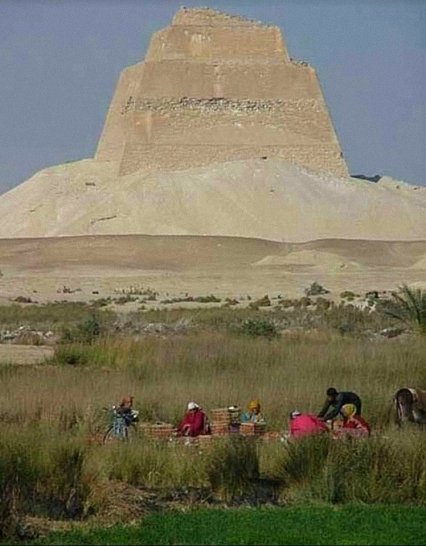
(409, 306)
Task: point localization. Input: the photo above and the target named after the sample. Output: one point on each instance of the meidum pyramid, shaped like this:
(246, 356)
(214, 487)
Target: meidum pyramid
(218, 132)
(216, 88)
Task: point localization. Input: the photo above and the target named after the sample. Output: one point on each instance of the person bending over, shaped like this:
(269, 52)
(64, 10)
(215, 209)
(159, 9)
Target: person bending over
(335, 401)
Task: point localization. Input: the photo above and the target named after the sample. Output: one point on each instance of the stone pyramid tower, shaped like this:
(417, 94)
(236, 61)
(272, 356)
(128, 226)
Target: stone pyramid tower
(214, 88)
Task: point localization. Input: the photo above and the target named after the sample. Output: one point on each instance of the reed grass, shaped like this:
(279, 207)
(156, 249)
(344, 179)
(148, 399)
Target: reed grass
(49, 412)
(215, 369)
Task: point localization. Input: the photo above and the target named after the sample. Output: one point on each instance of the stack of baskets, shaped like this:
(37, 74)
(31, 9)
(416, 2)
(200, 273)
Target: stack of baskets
(252, 429)
(225, 420)
(160, 430)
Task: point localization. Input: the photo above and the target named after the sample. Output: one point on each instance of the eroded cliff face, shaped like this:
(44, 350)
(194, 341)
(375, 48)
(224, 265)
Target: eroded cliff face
(216, 88)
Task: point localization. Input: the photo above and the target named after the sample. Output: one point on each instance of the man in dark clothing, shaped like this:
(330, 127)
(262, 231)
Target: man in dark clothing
(335, 401)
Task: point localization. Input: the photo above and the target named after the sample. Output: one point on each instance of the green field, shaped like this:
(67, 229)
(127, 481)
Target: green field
(349, 524)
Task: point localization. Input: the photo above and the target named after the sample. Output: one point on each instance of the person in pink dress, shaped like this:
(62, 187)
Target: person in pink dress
(305, 424)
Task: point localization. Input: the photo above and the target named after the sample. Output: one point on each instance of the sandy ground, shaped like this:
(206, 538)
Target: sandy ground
(102, 266)
(24, 354)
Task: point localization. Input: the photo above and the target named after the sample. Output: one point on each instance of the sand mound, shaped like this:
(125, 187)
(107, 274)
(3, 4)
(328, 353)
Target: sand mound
(311, 258)
(268, 199)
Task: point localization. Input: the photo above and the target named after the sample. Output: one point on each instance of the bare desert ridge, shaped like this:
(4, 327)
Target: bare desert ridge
(93, 267)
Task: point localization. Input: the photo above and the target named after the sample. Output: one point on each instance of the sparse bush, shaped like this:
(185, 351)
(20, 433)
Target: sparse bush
(322, 303)
(348, 294)
(286, 303)
(348, 319)
(261, 302)
(259, 327)
(190, 299)
(85, 332)
(125, 299)
(315, 289)
(71, 355)
(101, 302)
(229, 302)
(23, 299)
(207, 299)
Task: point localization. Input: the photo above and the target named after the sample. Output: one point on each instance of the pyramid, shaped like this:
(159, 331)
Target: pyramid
(217, 133)
(216, 88)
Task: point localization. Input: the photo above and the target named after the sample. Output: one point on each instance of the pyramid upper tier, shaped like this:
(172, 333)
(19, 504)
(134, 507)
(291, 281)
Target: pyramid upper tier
(214, 88)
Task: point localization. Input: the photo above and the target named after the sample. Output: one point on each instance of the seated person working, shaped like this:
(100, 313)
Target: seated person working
(253, 414)
(353, 424)
(194, 423)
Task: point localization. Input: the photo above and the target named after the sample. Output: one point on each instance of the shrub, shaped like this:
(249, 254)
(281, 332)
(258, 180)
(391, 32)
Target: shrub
(23, 299)
(259, 327)
(125, 299)
(229, 302)
(322, 303)
(207, 299)
(71, 355)
(101, 302)
(85, 332)
(261, 302)
(315, 289)
(347, 294)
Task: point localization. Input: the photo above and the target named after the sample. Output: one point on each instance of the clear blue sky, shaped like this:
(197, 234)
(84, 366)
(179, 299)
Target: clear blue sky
(60, 60)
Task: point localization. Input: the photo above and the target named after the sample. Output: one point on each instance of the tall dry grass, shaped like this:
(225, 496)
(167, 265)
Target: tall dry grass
(215, 369)
(48, 412)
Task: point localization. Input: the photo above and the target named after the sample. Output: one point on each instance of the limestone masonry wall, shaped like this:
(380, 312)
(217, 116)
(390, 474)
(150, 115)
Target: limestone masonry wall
(217, 88)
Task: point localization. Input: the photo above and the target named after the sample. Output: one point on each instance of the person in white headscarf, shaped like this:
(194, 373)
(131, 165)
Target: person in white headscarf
(194, 423)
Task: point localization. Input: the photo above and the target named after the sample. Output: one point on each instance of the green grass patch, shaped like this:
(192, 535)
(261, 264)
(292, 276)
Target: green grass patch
(295, 525)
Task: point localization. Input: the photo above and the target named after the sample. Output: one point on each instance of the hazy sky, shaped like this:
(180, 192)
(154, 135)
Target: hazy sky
(60, 61)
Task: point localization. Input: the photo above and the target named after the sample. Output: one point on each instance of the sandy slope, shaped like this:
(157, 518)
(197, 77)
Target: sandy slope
(174, 253)
(98, 266)
(255, 198)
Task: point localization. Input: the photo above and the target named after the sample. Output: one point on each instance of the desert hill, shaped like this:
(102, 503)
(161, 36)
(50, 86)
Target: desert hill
(98, 266)
(269, 199)
(160, 252)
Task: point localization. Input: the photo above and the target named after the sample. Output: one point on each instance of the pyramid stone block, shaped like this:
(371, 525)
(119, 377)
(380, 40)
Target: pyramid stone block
(215, 88)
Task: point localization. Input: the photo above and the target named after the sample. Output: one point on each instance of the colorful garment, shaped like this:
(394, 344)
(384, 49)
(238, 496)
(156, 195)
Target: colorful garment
(194, 423)
(306, 424)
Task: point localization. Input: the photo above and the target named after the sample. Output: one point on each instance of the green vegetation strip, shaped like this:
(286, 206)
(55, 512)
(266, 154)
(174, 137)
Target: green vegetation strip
(350, 524)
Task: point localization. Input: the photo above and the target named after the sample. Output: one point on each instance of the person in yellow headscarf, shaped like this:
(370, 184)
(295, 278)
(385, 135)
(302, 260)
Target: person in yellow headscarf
(253, 413)
(353, 424)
